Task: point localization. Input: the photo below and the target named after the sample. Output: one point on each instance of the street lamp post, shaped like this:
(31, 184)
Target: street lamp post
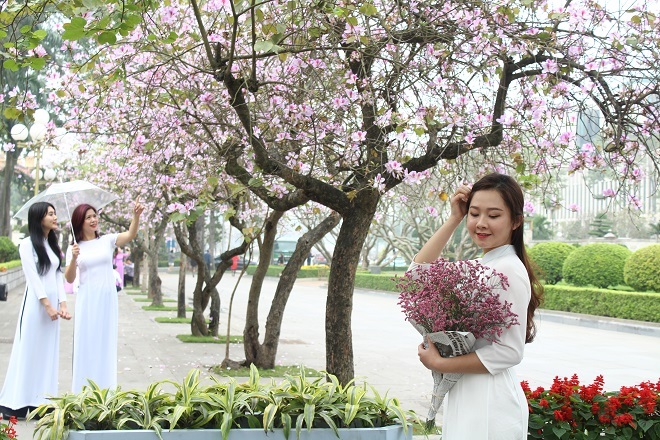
(37, 132)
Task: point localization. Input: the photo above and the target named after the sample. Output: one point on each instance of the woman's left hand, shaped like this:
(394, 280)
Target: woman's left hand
(429, 354)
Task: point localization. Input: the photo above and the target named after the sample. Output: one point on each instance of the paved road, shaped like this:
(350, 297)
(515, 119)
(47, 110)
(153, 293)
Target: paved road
(384, 345)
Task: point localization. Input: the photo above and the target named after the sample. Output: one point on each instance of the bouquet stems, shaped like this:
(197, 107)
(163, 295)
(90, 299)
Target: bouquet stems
(449, 344)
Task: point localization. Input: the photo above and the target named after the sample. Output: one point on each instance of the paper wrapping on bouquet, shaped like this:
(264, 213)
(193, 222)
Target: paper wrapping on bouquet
(449, 344)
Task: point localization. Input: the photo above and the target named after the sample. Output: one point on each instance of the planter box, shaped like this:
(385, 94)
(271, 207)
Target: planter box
(394, 432)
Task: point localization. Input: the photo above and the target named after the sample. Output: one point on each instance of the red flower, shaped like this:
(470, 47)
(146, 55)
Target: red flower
(544, 403)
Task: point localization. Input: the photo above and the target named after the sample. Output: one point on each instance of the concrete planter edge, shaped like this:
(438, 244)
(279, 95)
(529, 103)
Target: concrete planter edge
(394, 432)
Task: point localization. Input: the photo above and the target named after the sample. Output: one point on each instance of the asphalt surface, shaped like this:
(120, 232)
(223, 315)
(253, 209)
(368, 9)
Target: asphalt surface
(384, 345)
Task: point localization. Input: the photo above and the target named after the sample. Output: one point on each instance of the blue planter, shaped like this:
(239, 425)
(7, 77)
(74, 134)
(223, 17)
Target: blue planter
(394, 432)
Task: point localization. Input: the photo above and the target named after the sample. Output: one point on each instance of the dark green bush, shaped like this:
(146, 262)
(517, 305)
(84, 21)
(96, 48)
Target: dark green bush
(642, 269)
(601, 302)
(598, 264)
(549, 260)
(8, 250)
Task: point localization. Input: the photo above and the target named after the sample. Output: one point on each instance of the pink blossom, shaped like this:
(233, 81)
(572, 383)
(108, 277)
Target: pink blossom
(506, 119)
(393, 167)
(550, 66)
(635, 201)
(379, 183)
(609, 192)
(529, 208)
(573, 207)
(359, 136)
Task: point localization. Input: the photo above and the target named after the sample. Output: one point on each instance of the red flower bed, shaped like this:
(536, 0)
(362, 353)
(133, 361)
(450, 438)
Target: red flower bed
(569, 410)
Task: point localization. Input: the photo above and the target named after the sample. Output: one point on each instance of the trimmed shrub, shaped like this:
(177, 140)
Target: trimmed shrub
(598, 264)
(642, 269)
(8, 250)
(549, 260)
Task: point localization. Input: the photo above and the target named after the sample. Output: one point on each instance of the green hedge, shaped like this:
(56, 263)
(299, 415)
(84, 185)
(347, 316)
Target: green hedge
(602, 302)
(11, 264)
(642, 269)
(383, 281)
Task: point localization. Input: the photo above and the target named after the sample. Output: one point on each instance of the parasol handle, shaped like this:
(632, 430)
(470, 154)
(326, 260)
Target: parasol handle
(68, 212)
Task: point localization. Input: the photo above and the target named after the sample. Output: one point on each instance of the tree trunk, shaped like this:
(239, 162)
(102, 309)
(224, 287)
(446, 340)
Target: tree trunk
(339, 305)
(181, 291)
(251, 343)
(155, 292)
(263, 355)
(138, 254)
(5, 192)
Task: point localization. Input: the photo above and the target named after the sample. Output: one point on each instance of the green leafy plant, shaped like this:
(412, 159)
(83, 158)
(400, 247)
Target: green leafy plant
(598, 264)
(569, 410)
(295, 404)
(8, 250)
(641, 269)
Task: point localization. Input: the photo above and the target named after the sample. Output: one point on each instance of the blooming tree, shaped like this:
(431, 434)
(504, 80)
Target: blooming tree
(341, 101)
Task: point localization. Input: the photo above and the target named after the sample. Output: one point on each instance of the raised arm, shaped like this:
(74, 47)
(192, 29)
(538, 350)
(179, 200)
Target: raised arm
(125, 237)
(433, 248)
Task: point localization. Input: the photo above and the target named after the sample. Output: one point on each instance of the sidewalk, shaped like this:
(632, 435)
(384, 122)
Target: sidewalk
(384, 345)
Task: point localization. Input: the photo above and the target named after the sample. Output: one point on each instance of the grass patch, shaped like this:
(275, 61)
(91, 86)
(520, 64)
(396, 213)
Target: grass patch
(278, 371)
(169, 320)
(134, 292)
(167, 300)
(164, 309)
(420, 428)
(210, 339)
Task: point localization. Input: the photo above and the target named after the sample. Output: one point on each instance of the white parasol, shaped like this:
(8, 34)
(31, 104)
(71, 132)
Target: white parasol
(65, 196)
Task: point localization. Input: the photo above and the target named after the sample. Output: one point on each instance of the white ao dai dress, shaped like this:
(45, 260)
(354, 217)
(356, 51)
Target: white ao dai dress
(34, 362)
(96, 318)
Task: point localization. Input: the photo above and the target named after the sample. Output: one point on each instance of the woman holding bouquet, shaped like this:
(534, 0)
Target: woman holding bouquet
(488, 402)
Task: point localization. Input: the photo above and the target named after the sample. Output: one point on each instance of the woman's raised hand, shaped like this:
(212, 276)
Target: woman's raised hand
(138, 208)
(459, 201)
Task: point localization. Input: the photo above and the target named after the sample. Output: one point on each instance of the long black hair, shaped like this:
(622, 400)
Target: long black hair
(36, 214)
(514, 199)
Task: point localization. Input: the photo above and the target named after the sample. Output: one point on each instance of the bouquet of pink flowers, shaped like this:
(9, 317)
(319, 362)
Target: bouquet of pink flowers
(454, 303)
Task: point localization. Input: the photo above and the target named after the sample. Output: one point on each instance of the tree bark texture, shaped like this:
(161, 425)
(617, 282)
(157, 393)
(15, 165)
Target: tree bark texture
(339, 304)
(181, 290)
(5, 192)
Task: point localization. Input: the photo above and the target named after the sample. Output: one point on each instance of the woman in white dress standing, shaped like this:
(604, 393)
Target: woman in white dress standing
(34, 363)
(488, 403)
(95, 329)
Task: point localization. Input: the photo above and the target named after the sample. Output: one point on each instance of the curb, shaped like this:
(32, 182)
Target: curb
(601, 323)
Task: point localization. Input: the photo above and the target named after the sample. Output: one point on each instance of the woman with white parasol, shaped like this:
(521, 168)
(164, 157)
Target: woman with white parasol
(33, 366)
(95, 330)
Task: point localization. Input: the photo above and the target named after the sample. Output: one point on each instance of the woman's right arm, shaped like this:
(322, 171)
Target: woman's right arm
(432, 249)
(32, 278)
(71, 263)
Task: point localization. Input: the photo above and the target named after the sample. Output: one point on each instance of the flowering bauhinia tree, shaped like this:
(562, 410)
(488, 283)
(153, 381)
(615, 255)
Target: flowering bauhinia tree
(344, 100)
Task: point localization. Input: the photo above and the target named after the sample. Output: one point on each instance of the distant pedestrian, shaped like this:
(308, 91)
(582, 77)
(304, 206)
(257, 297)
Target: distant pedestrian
(95, 331)
(280, 259)
(129, 271)
(34, 361)
(207, 259)
(118, 278)
(309, 259)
